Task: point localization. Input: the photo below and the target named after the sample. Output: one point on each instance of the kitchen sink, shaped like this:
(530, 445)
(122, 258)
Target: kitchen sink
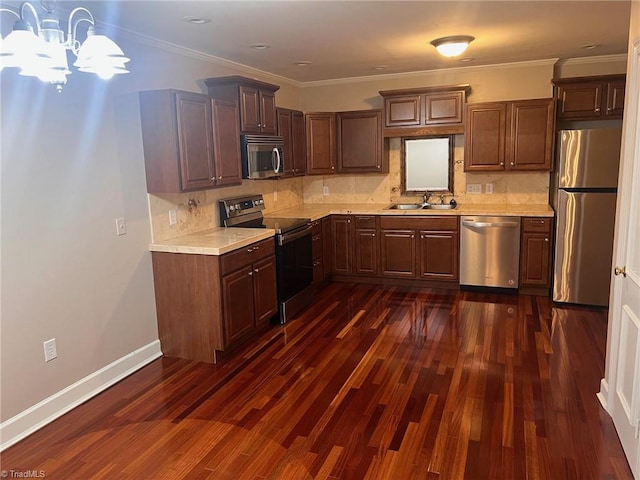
(405, 206)
(437, 206)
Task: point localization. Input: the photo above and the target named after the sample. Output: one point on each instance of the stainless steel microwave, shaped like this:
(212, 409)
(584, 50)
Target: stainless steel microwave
(262, 156)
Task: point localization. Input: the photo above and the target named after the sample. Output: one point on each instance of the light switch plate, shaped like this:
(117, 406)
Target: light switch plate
(50, 350)
(121, 226)
(325, 190)
(488, 188)
(173, 216)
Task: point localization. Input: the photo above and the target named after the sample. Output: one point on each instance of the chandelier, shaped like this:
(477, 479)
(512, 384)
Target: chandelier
(43, 53)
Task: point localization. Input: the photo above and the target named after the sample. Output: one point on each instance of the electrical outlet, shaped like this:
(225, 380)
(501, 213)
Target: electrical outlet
(50, 350)
(474, 188)
(173, 218)
(488, 188)
(325, 190)
(121, 226)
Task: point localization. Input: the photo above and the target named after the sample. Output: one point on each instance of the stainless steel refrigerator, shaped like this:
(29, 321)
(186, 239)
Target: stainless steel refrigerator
(584, 198)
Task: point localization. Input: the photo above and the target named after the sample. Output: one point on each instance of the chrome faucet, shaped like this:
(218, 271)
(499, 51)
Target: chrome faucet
(425, 199)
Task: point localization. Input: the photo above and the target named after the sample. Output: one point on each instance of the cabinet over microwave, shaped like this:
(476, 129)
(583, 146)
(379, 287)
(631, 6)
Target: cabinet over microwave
(262, 156)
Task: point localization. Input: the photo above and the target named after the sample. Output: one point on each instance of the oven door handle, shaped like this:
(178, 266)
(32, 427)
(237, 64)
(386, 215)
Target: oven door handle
(288, 237)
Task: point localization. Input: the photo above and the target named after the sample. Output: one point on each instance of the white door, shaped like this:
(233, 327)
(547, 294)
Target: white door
(621, 386)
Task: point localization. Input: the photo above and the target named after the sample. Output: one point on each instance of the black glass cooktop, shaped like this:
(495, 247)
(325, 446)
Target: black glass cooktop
(284, 225)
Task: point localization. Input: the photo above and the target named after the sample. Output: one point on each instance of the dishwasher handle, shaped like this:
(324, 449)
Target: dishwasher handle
(471, 223)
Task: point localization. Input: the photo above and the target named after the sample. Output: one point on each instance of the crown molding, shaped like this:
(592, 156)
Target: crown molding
(130, 35)
(621, 57)
(550, 62)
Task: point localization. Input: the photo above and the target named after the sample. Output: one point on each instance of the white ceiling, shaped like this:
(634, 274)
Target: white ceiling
(345, 39)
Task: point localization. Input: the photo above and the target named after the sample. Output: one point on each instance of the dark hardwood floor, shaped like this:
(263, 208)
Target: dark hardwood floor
(370, 382)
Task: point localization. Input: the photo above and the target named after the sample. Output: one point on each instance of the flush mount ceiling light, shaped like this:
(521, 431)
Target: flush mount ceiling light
(259, 46)
(43, 54)
(452, 46)
(302, 63)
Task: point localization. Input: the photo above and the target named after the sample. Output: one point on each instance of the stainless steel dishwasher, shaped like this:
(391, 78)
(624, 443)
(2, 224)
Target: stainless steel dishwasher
(489, 251)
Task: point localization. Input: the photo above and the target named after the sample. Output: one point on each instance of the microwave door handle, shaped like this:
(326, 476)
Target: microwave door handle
(275, 151)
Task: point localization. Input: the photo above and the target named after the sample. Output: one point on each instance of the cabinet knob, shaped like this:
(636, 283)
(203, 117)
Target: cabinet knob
(333, 168)
(373, 234)
(256, 248)
(501, 164)
(512, 164)
(249, 250)
(220, 177)
(257, 270)
(213, 179)
(546, 239)
(597, 109)
(251, 274)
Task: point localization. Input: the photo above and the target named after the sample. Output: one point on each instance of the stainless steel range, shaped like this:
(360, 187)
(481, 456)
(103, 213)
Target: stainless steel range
(293, 250)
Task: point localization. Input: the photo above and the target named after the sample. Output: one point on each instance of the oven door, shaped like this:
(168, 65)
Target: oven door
(294, 264)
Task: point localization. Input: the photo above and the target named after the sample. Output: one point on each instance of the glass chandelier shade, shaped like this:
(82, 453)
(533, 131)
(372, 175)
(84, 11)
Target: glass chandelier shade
(44, 55)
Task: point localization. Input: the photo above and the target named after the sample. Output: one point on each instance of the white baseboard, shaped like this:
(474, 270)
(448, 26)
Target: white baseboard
(603, 395)
(39, 415)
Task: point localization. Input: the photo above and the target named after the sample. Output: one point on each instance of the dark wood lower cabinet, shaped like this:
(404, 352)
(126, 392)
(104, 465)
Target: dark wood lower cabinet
(438, 253)
(398, 253)
(535, 253)
(342, 229)
(366, 252)
(208, 303)
(239, 316)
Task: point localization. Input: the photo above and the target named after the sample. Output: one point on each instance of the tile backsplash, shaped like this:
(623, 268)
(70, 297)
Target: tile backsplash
(199, 210)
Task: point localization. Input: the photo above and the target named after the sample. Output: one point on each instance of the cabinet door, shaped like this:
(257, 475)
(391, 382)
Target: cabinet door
(268, 124)
(342, 239)
(237, 305)
(531, 135)
(615, 99)
(535, 260)
(264, 290)
(366, 252)
(579, 100)
(285, 131)
(398, 253)
(195, 139)
(327, 247)
(226, 142)
(299, 144)
(249, 109)
(484, 143)
(321, 143)
(359, 141)
(438, 252)
(444, 108)
(403, 110)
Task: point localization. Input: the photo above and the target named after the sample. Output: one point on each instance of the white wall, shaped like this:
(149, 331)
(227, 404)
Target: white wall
(71, 164)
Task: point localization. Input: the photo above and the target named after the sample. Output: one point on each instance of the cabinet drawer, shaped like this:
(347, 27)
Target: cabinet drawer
(420, 223)
(365, 222)
(536, 225)
(244, 256)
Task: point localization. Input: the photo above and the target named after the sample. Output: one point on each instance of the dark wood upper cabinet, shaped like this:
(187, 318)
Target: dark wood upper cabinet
(226, 144)
(291, 129)
(360, 142)
(531, 135)
(188, 142)
(320, 130)
(485, 136)
(506, 136)
(424, 111)
(589, 98)
(255, 100)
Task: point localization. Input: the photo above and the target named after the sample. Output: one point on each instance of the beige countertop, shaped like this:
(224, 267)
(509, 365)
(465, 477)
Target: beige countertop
(221, 240)
(213, 241)
(317, 211)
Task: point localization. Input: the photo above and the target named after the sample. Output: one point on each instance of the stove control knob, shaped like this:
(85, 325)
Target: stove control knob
(232, 208)
(237, 206)
(261, 202)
